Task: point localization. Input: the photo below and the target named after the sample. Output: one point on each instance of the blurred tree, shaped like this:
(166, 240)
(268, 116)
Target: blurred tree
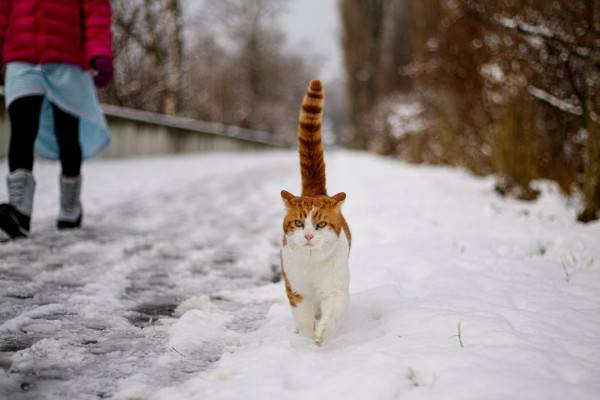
(561, 51)
(248, 28)
(256, 82)
(362, 40)
(507, 87)
(149, 49)
(226, 63)
(174, 61)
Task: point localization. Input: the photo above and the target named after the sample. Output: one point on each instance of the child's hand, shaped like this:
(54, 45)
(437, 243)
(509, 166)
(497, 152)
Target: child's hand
(103, 71)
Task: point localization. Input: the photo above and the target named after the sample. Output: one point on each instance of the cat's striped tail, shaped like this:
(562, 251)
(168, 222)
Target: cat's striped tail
(310, 145)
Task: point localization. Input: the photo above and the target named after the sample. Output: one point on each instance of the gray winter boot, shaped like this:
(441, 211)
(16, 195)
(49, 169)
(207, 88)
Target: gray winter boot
(71, 212)
(15, 217)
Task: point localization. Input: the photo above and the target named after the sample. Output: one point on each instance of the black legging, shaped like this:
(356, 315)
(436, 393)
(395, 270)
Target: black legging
(25, 119)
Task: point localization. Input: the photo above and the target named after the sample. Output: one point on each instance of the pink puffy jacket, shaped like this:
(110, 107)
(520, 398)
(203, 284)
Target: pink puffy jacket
(65, 31)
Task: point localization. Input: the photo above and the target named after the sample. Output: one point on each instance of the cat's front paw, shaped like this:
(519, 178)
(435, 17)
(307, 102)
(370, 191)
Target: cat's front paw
(322, 334)
(318, 339)
(305, 331)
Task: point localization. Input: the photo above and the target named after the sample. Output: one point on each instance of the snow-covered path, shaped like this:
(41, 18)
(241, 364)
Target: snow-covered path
(84, 309)
(169, 293)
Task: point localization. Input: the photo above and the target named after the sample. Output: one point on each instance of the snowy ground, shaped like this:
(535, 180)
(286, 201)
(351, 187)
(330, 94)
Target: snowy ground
(169, 293)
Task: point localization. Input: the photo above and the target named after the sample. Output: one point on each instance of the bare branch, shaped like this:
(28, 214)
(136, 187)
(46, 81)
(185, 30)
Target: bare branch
(557, 40)
(562, 105)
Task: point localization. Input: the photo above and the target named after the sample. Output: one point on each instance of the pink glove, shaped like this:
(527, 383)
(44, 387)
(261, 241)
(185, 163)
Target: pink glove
(103, 68)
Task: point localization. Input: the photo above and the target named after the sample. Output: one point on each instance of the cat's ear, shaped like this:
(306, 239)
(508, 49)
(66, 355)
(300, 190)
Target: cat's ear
(339, 198)
(287, 197)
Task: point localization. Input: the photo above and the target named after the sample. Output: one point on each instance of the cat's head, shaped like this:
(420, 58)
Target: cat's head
(313, 223)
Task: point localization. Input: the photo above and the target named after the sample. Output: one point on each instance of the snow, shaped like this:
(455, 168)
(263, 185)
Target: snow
(406, 118)
(168, 292)
(493, 72)
(539, 30)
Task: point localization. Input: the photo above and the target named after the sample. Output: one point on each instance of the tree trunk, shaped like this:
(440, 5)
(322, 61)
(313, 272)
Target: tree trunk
(592, 172)
(363, 27)
(173, 72)
(253, 59)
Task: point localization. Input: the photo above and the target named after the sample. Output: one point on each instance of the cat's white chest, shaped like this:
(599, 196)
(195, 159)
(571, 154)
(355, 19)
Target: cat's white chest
(317, 285)
(316, 274)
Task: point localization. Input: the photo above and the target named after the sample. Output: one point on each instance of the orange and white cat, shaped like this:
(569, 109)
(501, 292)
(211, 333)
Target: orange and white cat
(316, 241)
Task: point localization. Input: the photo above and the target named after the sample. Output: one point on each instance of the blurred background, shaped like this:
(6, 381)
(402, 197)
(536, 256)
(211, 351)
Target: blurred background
(504, 87)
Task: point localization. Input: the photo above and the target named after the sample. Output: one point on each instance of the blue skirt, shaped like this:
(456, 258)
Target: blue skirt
(69, 88)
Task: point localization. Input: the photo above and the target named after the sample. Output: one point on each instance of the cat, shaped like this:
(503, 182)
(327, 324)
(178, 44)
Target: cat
(316, 241)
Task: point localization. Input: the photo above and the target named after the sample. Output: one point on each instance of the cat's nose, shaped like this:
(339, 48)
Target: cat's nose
(308, 236)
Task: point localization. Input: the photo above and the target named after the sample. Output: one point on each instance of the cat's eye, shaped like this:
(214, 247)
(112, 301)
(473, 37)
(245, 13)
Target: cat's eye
(299, 223)
(321, 225)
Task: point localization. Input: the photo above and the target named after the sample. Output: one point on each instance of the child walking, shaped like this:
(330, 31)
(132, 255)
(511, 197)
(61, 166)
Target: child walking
(48, 49)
